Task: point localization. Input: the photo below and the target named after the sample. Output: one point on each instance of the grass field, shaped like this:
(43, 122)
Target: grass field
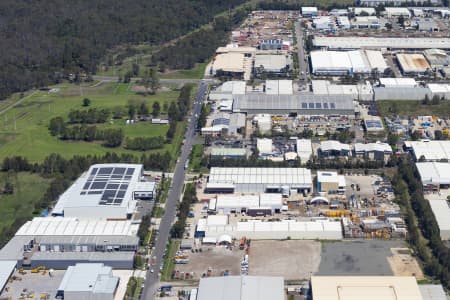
(24, 128)
(28, 189)
(195, 73)
(169, 261)
(405, 108)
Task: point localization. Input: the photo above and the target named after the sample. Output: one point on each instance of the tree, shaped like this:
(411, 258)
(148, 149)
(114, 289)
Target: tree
(143, 109)
(439, 135)
(57, 126)
(154, 80)
(401, 20)
(131, 111)
(156, 109)
(112, 137)
(426, 100)
(435, 100)
(86, 102)
(135, 69)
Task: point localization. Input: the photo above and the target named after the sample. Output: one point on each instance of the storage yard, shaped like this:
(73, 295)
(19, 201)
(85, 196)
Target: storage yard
(293, 260)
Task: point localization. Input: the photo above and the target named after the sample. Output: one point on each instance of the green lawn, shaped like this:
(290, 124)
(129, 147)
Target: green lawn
(197, 72)
(196, 158)
(28, 189)
(24, 129)
(412, 108)
(169, 261)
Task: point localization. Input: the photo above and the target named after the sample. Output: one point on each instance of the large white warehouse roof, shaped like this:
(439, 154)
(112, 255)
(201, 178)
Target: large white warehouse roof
(278, 230)
(378, 43)
(280, 176)
(441, 211)
(434, 173)
(105, 191)
(241, 287)
(430, 150)
(52, 226)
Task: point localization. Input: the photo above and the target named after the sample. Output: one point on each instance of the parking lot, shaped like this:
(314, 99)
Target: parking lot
(353, 258)
(218, 259)
(290, 259)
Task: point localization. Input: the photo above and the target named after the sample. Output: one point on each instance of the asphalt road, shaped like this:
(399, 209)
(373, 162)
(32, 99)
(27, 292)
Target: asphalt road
(302, 64)
(152, 279)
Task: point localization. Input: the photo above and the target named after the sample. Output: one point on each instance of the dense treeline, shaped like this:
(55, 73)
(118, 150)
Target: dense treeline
(90, 116)
(189, 197)
(111, 137)
(409, 193)
(44, 41)
(200, 45)
(177, 111)
(144, 143)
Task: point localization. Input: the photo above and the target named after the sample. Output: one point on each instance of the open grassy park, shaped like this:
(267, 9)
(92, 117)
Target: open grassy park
(24, 128)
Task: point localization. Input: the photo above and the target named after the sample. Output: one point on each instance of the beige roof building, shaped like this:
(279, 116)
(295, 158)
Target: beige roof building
(365, 287)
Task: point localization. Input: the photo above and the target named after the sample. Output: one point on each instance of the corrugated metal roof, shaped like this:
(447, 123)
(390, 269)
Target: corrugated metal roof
(432, 292)
(378, 43)
(91, 277)
(6, 269)
(365, 287)
(241, 287)
(72, 226)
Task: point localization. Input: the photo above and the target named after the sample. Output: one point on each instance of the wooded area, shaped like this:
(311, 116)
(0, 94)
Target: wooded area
(44, 41)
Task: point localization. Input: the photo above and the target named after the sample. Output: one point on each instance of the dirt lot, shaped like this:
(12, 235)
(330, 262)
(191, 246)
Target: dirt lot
(290, 259)
(403, 264)
(217, 258)
(364, 257)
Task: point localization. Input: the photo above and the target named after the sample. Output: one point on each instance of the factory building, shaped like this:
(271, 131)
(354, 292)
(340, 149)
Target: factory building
(395, 12)
(338, 63)
(377, 43)
(224, 153)
(7, 268)
(301, 104)
(365, 287)
(366, 22)
(441, 211)
(278, 87)
(333, 149)
(308, 12)
(226, 90)
(57, 242)
(277, 230)
(88, 281)
(437, 58)
(105, 191)
(357, 11)
(241, 287)
(434, 175)
(427, 150)
(413, 63)
(233, 61)
(343, 22)
(258, 180)
(304, 150)
(399, 89)
(359, 91)
(253, 205)
(373, 151)
(264, 146)
(330, 182)
(373, 124)
(273, 64)
(324, 23)
(275, 44)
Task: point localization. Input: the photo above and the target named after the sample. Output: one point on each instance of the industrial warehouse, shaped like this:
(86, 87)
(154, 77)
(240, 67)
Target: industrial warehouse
(57, 242)
(253, 205)
(262, 180)
(348, 43)
(335, 63)
(106, 191)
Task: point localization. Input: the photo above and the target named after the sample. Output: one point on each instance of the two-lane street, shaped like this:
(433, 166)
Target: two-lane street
(152, 279)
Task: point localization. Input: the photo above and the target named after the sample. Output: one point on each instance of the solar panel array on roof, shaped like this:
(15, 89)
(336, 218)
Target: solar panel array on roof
(221, 121)
(110, 182)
